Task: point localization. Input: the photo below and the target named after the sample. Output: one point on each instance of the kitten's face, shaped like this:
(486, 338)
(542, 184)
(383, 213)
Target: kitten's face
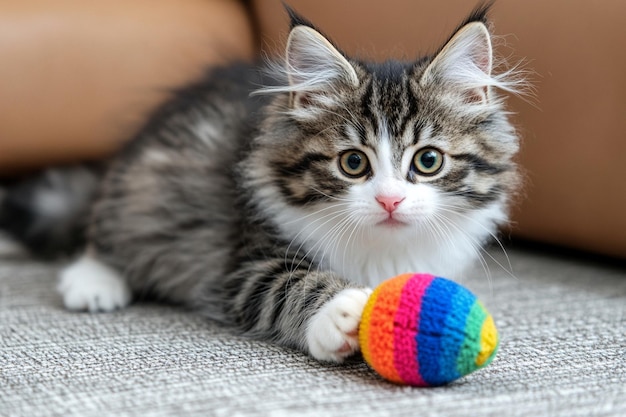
(389, 153)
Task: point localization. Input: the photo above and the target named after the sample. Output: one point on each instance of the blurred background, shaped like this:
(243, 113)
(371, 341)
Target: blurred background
(78, 78)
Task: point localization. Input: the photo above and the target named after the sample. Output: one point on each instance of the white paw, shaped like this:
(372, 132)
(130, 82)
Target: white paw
(333, 332)
(88, 284)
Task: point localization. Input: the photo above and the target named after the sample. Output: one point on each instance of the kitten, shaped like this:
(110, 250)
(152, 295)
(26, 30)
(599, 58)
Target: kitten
(274, 209)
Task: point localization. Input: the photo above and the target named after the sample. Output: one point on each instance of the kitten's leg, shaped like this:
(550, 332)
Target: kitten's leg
(314, 311)
(89, 284)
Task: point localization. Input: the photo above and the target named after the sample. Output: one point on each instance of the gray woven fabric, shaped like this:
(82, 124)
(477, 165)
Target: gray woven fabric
(563, 352)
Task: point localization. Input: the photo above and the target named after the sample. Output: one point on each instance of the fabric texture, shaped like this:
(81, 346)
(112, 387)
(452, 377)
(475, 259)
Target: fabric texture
(562, 325)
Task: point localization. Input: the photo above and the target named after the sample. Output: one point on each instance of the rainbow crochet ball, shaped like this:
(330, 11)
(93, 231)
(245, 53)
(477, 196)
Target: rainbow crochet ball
(422, 330)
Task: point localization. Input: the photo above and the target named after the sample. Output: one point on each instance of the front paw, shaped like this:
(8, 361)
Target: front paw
(89, 284)
(333, 332)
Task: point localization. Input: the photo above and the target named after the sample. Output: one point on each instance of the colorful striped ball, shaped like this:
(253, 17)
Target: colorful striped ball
(422, 330)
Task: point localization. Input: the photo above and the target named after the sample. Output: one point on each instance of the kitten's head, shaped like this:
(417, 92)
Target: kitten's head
(391, 152)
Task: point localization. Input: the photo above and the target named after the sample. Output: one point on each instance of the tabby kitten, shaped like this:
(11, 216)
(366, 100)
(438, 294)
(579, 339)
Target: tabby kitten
(273, 209)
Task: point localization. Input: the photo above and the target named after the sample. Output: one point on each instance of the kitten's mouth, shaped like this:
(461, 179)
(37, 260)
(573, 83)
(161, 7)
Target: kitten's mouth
(391, 222)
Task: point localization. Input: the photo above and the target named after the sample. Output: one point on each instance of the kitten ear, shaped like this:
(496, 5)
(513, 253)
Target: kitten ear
(465, 62)
(314, 65)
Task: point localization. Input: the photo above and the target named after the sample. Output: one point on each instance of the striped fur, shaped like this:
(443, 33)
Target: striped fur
(237, 204)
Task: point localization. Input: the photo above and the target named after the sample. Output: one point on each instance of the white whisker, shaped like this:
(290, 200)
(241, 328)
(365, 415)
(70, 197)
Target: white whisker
(493, 236)
(478, 244)
(332, 216)
(474, 245)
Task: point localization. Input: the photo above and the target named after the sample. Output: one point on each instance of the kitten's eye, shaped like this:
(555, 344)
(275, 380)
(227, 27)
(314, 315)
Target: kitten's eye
(354, 164)
(428, 161)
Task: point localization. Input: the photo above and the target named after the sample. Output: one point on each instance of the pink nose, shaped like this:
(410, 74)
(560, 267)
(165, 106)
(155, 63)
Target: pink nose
(389, 203)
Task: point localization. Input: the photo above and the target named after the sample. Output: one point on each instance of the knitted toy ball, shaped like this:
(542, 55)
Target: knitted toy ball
(422, 330)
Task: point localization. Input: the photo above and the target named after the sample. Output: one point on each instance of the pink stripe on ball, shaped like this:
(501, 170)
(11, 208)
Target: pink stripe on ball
(406, 326)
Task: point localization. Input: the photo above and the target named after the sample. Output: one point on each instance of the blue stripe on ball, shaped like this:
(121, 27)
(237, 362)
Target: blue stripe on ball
(436, 305)
(454, 333)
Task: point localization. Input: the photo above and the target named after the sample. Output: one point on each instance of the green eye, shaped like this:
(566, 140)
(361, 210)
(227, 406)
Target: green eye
(354, 164)
(428, 161)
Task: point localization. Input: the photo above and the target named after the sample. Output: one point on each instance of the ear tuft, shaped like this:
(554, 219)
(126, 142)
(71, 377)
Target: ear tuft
(296, 19)
(465, 62)
(313, 70)
(313, 62)
(313, 65)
